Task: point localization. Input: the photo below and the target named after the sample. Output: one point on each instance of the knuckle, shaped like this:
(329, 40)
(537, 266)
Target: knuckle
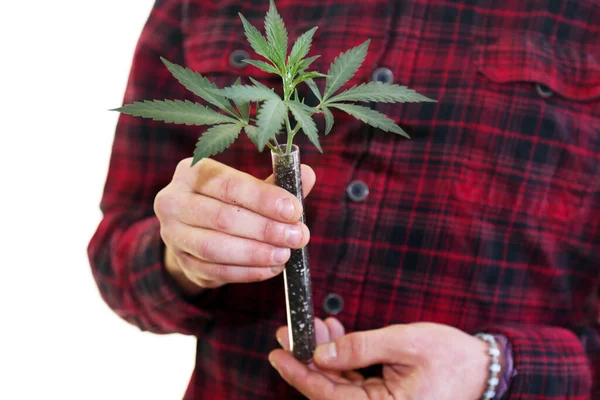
(272, 231)
(183, 167)
(221, 273)
(221, 219)
(229, 189)
(357, 345)
(205, 250)
(262, 255)
(164, 204)
(165, 234)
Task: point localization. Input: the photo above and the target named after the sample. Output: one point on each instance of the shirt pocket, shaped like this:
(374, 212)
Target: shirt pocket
(539, 164)
(570, 70)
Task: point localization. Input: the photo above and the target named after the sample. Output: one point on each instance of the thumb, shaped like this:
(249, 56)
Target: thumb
(359, 350)
(308, 179)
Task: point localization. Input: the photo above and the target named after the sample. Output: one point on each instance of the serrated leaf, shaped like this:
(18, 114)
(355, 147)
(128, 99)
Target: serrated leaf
(199, 85)
(304, 64)
(215, 140)
(344, 67)
(175, 111)
(269, 120)
(242, 106)
(380, 92)
(263, 66)
(371, 117)
(252, 133)
(257, 40)
(314, 88)
(276, 34)
(260, 85)
(308, 75)
(248, 93)
(328, 119)
(306, 122)
(301, 47)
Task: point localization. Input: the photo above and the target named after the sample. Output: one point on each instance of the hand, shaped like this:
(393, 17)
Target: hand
(421, 361)
(325, 332)
(221, 225)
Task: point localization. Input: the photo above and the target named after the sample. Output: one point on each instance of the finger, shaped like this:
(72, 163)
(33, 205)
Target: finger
(361, 349)
(210, 275)
(221, 182)
(353, 377)
(307, 174)
(312, 384)
(376, 389)
(205, 212)
(335, 328)
(220, 248)
(321, 333)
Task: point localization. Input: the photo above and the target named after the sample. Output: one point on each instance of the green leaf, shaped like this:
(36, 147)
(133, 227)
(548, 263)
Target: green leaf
(371, 117)
(215, 140)
(308, 75)
(257, 40)
(314, 88)
(252, 133)
(269, 120)
(263, 66)
(199, 85)
(328, 119)
(301, 47)
(248, 93)
(304, 64)
(380, 92)
(276, 35)
(306, 122)
(175, 111)
(242, 106)
(258, 84)
(344, 67)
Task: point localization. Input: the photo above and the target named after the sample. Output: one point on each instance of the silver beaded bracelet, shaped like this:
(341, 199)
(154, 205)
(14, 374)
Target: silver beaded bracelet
(494, 352)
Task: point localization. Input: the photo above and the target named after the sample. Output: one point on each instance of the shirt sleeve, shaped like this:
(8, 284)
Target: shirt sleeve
(127, 253)
(552, 362)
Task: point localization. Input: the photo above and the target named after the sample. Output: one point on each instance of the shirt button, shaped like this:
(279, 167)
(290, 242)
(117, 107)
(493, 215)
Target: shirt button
(333, 304)
(237, 57)
(543, 91)
(357, 191)
(383, 75)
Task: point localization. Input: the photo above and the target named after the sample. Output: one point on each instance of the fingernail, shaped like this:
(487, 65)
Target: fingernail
(273, 364)
(286, 208)
(326, 352)
(276, 269)
(281, 255)
(279, 340)
(293, 235)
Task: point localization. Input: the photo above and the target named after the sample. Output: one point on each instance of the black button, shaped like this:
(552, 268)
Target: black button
(543, 91)
(383, 75)
(333, 304)
(237, 57)
(357, 191)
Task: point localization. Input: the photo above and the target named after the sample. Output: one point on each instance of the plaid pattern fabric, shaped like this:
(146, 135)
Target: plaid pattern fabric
(488, 219)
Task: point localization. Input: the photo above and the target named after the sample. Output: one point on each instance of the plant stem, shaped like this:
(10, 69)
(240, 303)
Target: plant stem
(275, 149)
(290, 134)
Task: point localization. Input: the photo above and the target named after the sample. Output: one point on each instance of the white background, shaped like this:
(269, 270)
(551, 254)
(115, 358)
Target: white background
(63, 64)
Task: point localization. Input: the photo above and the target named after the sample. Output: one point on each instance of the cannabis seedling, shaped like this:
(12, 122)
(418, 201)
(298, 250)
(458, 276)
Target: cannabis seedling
(234, 103)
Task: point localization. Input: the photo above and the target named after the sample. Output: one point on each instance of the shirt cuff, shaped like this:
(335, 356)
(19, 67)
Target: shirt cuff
(509, 370)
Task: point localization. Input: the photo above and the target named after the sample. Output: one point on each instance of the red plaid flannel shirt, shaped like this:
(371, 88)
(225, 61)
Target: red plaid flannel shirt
(487, 219)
